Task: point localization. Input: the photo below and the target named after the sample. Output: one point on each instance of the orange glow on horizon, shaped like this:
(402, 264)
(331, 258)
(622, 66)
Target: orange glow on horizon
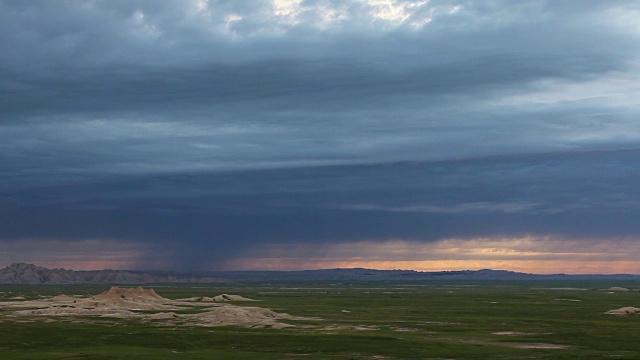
(538, 255)
(525, 266)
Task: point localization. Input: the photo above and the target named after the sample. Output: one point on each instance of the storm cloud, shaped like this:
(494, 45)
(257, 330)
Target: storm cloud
(199, 131)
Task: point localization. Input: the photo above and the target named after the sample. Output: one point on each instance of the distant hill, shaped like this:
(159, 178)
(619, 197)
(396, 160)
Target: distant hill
(32, 274)
(359, 274)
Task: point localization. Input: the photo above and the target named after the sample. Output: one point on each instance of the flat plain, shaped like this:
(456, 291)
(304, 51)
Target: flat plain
(377, 320)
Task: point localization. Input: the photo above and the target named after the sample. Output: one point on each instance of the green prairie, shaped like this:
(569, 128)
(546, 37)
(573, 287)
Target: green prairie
(483, 320)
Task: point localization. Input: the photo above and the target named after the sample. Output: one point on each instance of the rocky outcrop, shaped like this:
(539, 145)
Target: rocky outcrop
(624, 311)
(142, 304)
(24, 274)
(32, 274)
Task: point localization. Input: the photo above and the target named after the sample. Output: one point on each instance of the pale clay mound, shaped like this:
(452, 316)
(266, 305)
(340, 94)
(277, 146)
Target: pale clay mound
(617, 288)
(537, 346)
(124, 302)
(137, 294)
(198, 298)
(240, 316)
(624, 311)
(227, 297)
(511, 333)
(223, 297)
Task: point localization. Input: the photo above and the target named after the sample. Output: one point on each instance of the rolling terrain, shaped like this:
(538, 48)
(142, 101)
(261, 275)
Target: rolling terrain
(31, 274)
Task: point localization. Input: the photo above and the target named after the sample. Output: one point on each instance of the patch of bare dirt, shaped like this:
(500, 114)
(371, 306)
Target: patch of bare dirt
(405, 329)
(350, 327)
(538, 346)
(511, 333)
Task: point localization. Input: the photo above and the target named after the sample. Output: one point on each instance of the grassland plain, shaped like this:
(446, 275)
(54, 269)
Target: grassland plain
(436, 320)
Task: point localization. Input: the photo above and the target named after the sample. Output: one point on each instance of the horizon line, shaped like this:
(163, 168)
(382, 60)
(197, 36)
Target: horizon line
(325, 269)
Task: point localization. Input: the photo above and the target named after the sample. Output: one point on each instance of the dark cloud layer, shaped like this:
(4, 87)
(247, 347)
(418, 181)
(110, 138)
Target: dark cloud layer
(205, 128)
(212, 216)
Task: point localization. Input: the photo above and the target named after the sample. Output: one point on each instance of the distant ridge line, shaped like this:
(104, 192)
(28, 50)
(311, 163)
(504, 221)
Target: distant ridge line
(22, 273)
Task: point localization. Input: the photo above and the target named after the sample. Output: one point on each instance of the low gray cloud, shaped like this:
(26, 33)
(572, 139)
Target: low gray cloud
(208, 217)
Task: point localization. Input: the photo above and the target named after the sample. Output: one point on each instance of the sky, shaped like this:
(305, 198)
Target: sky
(305, 134)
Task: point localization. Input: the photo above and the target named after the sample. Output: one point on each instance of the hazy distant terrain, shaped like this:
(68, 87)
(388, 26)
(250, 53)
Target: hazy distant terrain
(32, 274)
